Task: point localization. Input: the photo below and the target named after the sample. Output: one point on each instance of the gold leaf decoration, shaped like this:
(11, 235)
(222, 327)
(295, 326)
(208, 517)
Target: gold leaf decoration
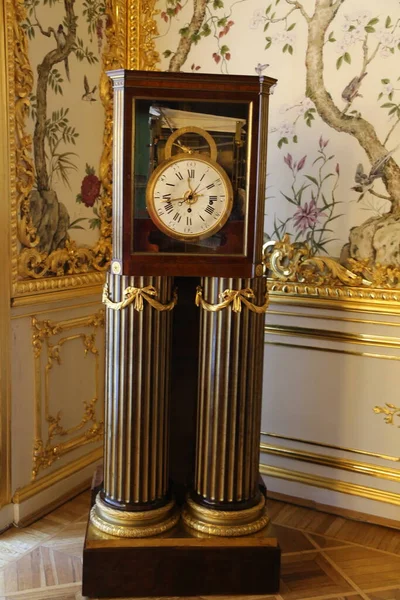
(293, 263)
(389, 410)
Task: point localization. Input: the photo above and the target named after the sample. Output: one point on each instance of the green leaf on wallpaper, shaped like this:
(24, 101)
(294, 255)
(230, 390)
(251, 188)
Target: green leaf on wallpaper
(285, 47)
(195, 37)
(388, 22)
(373, 21)
(347, 57)
(369, 29)
(385, 81)
(167, 53)
(74, 224)
(218, 4)
(94, 223)
(223, 50)
(292, 26)
(282, 141)
(184, 31)
(267, 10)
(339, 62)
(387, 105)
(266, 26)
(380, 95)
(312, 179)
(269, 42)
(222, 22)
(206, 31)
(290, 49)
(331, 37)
(295, 139)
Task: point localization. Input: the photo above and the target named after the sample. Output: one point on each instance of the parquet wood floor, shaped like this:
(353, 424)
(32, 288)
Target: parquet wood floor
(324, 557)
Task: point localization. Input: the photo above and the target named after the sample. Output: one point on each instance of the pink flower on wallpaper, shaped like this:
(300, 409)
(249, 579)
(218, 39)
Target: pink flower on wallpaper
(306, 216)
(288, 160)
(323, 143)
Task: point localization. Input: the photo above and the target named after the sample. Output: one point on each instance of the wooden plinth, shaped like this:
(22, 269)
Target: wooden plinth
(179, 564)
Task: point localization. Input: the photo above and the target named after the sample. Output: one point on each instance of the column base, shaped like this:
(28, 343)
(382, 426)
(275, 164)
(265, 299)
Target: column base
(223, 522)
(130, 524)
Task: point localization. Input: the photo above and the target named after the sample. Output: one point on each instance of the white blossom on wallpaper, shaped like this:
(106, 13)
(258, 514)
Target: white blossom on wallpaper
(334, 178)
(65, 43)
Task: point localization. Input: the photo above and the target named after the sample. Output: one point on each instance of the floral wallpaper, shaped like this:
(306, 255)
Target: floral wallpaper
(334, 135)
(66, 118)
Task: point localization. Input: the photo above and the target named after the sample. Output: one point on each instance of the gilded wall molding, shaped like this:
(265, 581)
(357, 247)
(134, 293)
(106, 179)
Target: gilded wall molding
(5, 274)
(333, 447)
(333, 462)
(332, 335)
(58, 440)
(294, 271)
(336, 485)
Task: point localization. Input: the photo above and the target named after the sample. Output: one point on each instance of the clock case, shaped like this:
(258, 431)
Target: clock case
(134, 250)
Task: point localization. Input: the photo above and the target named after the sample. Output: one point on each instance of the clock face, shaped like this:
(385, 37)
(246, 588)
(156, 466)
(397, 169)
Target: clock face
(189, 197)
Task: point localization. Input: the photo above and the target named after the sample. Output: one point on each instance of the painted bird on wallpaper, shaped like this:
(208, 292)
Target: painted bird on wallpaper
(350, 92)
(61, 41)
(88, 95)
(260, 68)
(365, 181)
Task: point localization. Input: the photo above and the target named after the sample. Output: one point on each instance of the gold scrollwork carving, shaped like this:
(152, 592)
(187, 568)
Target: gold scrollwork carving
(232, 297)
(136, 296)
(46, 452)
(130, 34)
(292, 269)
(389, 410)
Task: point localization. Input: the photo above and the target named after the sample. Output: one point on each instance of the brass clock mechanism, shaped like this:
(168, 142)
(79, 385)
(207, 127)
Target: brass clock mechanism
(189, 196)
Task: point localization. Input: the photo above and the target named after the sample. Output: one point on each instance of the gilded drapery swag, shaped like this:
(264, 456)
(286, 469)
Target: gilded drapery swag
(232, 297)
(138, 296)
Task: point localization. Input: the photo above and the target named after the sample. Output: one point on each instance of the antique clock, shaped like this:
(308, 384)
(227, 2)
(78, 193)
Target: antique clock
(190, 176)
(184, 368)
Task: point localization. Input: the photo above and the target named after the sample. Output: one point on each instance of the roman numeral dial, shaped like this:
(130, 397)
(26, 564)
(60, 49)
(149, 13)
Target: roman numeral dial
(189, 197)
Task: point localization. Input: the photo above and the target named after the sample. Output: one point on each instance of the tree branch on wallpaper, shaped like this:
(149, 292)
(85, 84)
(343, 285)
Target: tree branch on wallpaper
(377, 239)
(50, 216)
(205, 22)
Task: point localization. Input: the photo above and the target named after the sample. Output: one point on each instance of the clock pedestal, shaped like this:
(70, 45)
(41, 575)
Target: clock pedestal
(206, 552)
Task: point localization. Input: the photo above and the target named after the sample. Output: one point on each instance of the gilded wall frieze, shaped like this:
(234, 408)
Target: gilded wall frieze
(51, 446)
(390, 411)
(293, 270)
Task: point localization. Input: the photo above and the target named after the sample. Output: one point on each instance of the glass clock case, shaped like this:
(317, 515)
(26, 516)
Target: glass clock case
(189, 172)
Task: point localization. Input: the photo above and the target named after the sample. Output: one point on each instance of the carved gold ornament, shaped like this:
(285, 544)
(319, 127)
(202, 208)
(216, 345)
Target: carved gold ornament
(137, 296)
(133, 524)
(293, 270)
(47, 451)
(390, 411)
(234, 297)
(225, 523)
(130, 34)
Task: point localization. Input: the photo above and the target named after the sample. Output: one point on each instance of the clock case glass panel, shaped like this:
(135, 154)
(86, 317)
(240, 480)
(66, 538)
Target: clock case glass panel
(181, 130)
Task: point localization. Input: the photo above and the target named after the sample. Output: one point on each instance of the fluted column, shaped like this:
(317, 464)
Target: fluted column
(225, 499)
(135, 499)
